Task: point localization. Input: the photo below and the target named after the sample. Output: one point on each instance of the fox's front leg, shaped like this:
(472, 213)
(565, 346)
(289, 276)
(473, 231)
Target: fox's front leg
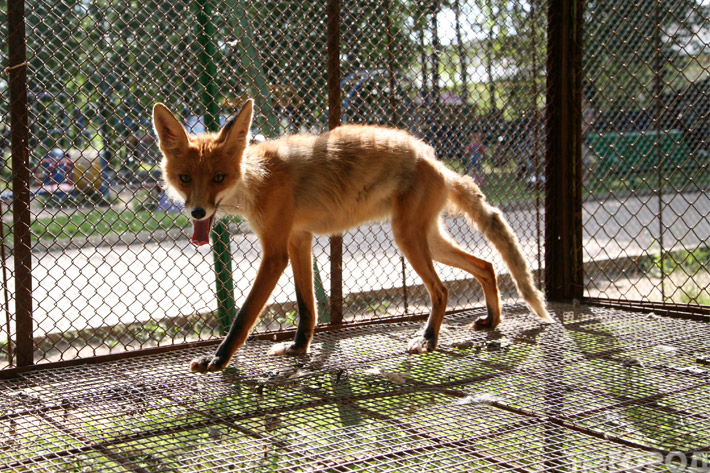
(270, 270)
(299, 251)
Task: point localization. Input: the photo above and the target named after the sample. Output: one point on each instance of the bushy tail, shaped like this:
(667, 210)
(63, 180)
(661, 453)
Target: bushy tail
(467, 197)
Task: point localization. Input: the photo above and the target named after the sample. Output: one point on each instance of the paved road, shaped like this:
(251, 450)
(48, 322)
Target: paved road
(96, 286)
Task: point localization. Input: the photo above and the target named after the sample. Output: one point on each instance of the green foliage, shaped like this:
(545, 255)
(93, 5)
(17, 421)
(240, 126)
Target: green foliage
(692, 294)
(682, 272)
(146, 51)
(689, 262)
(123, 51)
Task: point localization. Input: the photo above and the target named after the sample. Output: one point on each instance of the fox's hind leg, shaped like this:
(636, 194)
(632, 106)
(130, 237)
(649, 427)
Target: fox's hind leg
(445, 250)
(414, 246)
(415, 214)
(299, 250)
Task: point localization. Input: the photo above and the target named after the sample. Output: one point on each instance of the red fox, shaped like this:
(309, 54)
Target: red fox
(294, 187)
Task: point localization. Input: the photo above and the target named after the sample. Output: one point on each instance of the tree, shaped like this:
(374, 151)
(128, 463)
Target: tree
(630, 44)
(495, 58)
(461, 51)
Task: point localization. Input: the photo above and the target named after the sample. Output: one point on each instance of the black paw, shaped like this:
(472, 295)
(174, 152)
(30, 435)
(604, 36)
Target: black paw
(208, 364)
(485, 323)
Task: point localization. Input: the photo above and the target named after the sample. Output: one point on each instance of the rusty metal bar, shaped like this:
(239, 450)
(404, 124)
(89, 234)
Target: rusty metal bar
(6, 294)
(14, 372)
(579, 428)
(658, 82)
(666, 309)
(104, 445)
(539, 187)
(395, 122)
(122, 460)
(391, 64)
(564, 276)
(17, 72)
(276, 336)
(334, 111)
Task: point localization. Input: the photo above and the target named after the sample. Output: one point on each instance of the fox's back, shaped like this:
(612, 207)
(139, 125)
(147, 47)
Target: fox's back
(349, 175)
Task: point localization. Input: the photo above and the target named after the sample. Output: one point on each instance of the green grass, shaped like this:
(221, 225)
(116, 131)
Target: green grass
(693, 295)
(505, 187)
(689, 262)
(81, 223)
(679, 265)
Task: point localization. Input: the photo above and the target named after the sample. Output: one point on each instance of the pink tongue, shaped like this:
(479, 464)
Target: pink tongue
(201, 231)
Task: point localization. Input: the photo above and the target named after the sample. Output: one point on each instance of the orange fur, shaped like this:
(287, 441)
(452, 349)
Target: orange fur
(291, 188)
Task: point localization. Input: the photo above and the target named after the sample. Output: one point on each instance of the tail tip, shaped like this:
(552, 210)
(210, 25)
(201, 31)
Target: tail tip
(539, 308)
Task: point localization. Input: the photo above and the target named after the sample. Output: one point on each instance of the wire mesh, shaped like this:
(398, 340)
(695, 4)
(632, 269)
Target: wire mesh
(646, 151)
(111, 267)
(601, 390)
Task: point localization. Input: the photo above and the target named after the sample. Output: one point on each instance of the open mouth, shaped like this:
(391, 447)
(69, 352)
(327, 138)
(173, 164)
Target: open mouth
(201, 231)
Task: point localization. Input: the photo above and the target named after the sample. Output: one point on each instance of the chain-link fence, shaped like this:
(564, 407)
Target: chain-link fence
(110, 268)
(646, 99)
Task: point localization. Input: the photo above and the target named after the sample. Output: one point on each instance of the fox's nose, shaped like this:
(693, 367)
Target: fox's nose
(198, 213)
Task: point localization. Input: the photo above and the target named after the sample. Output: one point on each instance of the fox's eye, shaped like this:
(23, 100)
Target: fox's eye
(185, 178)
(218, 178)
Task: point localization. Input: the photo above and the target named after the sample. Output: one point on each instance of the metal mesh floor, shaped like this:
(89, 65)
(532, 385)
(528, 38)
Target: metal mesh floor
(605, 390)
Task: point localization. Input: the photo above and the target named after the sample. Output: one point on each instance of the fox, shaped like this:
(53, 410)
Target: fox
(294, 187)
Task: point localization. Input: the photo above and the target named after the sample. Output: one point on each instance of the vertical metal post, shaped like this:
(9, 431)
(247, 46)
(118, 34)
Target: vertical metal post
(17, 81)
(564, 276)
(395, 122)
(658, 106)
(348, 415)
(221, 250)
(334, 111)
(536, 141)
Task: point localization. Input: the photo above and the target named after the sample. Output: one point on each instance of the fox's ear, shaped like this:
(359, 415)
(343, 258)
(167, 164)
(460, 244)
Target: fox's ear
(170, 132)
(235, 132)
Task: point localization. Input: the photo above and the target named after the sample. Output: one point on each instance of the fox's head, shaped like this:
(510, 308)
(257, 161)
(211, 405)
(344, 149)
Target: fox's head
(201, 169)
